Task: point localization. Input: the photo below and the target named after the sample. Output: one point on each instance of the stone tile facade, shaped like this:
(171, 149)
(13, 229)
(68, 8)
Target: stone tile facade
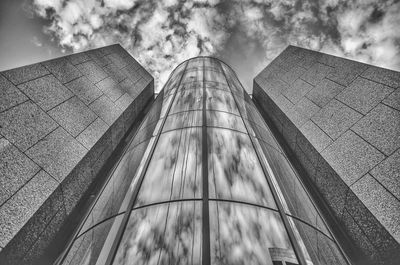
(59, 122)
(341, 120)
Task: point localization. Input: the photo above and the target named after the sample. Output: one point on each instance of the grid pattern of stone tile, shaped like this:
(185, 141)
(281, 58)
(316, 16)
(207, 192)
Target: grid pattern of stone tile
(350, 133)
(53, 116)
(46, 91)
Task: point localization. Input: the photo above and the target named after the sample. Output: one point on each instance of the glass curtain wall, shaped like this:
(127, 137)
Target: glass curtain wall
(203, 181)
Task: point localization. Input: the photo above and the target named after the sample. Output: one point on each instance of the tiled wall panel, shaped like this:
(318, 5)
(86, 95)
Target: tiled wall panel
(341, 119)
(59, 122)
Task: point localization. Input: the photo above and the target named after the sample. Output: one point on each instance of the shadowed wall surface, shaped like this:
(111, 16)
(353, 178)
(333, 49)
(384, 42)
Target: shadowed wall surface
(341, 120)
(60, 121)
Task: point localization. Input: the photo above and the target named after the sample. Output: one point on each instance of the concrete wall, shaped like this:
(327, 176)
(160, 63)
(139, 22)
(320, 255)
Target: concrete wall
(341, 119)
(59, 122)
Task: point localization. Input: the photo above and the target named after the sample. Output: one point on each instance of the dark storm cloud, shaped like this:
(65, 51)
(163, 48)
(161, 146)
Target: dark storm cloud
(246, 34)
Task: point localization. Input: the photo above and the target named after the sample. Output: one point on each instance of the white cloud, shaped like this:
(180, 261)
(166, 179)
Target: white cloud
(96, 21)
(71, 13)
(42, 5)
(169, 3)
(161, 34)
(35, 40)
(253, 13)
(155, 30)
(119, 4)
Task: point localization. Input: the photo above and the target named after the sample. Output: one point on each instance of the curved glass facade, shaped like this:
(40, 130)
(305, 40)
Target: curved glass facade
(203, 181)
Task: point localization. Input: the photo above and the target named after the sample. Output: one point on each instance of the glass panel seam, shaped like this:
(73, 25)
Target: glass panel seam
(292, 238)
(208, 126)
(265, 142)
(209, 199)
(166, 202)
(191, 110)
(307, 192)
(183, 111)
(243, 202)
(206, 258)
(99, 223)
(223, 111)
(312, 226)
(118, 238)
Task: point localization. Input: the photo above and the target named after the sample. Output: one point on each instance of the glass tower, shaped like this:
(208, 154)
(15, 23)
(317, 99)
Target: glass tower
(203, 181)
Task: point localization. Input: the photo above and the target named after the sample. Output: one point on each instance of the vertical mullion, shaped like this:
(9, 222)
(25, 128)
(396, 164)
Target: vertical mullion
(296, 247)
(127, 214)
(205, 207)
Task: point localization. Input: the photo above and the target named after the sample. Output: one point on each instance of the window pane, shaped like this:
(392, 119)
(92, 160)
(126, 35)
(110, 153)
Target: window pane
(213, 63)
(146, 131)
(113, 194)
(232, 80)
(221, 100)
(174, 171)
(183, 119)
(155, 111)
(178, 70)
(241, 105)
(193, 75)
(195, 63)
(251, 112)
(163, 234)
(215, 76)
(190, 99)
(173, 82)
(225, 120)
(165, 105)
(261, 132)
(215, 85)
(318, 248)
(234, 170)
(242, 234)
(193, 85)
(297, 202)
(86, 248)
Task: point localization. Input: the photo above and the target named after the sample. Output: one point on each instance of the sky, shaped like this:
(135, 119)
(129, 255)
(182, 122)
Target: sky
(160, 34)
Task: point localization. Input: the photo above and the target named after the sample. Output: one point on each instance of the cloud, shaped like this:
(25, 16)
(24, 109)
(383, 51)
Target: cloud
(119, 4)
(247, 34)
(35, 40)
(370, 33)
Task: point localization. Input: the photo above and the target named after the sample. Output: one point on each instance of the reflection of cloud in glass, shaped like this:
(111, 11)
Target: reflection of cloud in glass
(232, 79)
(226, 120)
(215, 85)
(212, 63)
(212, 75)
(190, 99)
(196, 62)
(242, 234)
(193, 75)
(183, 119)
(221, 100)
(174, 78)
(234, 170)
(294, 198)
(191, 85)
(86, 249)
(162, 234)
(321, 249)
(113, 194)
(174, 171)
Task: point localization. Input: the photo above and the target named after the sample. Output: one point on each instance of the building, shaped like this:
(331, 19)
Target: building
(202, 174)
